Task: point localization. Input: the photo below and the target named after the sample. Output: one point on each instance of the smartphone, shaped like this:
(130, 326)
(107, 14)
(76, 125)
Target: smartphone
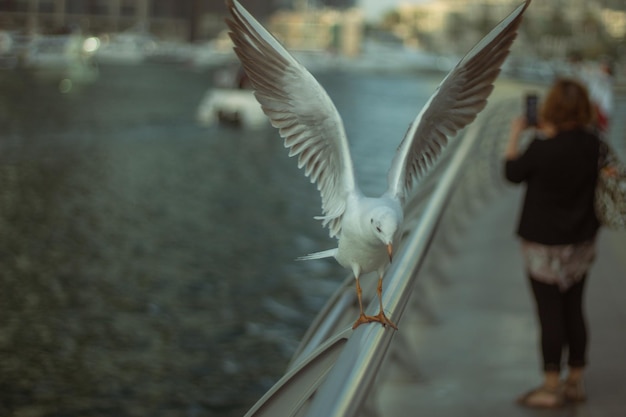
(532, 101)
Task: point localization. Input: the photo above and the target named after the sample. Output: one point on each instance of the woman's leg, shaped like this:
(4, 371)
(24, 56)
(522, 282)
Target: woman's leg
(575, 325)
(550, 312)
(549, 303)
(576, 339)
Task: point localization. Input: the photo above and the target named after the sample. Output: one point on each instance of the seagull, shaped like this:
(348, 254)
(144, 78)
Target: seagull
(313, 131)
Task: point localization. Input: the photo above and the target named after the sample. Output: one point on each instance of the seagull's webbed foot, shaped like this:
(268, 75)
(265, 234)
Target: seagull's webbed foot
(363, 319)
(379, 318)
(382, 318)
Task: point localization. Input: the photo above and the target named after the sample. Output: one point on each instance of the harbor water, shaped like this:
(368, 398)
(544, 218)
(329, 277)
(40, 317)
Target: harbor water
(147, 263)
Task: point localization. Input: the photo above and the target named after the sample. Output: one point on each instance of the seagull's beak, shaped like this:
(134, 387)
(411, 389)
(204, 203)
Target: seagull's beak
(390, 251)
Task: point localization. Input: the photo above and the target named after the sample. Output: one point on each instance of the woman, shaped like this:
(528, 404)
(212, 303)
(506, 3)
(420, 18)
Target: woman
(557, 228)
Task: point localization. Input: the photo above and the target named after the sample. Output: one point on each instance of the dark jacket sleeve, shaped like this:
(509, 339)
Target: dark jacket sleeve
(517, 170)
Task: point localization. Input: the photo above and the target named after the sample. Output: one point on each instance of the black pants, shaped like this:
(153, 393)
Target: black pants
(563, 324)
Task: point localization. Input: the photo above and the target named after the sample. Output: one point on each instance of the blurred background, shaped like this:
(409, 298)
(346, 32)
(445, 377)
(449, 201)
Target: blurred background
(149, 215)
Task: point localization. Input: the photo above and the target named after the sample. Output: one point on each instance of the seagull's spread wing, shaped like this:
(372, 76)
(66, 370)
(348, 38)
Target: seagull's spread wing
(300, 108)
(455, 103)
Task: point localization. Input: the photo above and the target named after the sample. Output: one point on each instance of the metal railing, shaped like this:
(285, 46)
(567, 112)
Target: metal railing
(335, 367)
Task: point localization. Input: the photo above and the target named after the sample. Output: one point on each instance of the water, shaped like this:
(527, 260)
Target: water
(147, 263)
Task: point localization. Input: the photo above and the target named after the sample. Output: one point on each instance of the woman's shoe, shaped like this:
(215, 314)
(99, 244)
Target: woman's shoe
(574, 391)
(542, 397)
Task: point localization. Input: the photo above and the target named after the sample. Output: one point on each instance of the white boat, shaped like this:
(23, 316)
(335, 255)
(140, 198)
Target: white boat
(382, 57)
(214, 53)
(231, 102)
(8, 55)
(231, 106)
(210, 54)
(61, 57)
(126, 48)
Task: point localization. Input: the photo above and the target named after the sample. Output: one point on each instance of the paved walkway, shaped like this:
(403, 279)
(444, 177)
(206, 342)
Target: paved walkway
(480, 350)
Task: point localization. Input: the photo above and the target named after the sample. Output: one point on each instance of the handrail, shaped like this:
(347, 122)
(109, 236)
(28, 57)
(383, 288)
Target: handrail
(335, 367)
(356, 368)
(344, 299)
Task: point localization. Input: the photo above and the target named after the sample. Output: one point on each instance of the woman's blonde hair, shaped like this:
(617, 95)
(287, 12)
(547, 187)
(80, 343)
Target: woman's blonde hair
(567, 105)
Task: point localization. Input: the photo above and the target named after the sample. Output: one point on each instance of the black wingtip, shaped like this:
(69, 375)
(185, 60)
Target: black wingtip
(229, 5)
(232, 6)
(526, 5)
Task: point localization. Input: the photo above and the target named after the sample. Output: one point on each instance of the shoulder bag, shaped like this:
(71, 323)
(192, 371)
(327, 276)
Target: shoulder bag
(610, 198)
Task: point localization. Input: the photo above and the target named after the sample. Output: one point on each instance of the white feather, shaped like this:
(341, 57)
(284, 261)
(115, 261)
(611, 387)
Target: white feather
(313, 131)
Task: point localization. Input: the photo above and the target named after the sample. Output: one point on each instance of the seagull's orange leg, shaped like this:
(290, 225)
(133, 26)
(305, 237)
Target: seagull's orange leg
(362, 317)
(381, 317)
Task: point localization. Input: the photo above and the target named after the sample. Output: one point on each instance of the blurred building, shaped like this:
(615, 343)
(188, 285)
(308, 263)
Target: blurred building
(170, 19)
(166, 17)
(331, 30)
(552, 27)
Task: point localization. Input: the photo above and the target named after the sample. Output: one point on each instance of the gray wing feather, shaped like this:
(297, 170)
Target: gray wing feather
(455, 104)
(300, 108)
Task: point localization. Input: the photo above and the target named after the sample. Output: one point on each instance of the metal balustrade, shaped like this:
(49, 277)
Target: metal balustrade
(335, 367)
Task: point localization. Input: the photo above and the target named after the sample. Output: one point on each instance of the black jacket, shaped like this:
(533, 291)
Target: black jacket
(560, 175)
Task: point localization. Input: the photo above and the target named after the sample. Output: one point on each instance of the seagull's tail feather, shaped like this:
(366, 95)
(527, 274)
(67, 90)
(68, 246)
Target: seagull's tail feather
(330, 253)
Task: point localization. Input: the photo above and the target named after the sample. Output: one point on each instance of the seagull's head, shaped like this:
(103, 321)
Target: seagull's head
(384, 224)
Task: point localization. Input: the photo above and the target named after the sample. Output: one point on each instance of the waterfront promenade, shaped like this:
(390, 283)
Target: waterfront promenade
(477, 348)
